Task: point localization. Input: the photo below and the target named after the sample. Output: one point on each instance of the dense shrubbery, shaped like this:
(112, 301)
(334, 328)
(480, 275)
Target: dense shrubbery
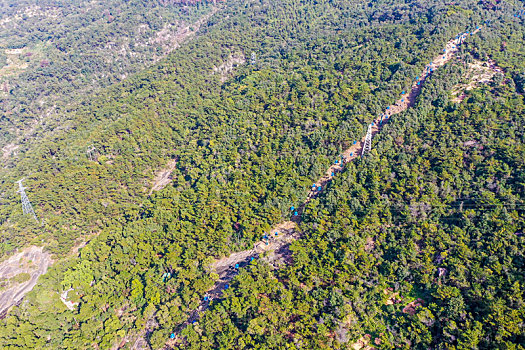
(265, 134)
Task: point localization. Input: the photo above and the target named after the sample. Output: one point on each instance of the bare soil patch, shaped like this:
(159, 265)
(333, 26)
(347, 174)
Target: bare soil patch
(233, 61)
(163, 176)
(392, 298)
(478, 73)
(412, 306)
(362, 343)
(32, 260)
(7, 150)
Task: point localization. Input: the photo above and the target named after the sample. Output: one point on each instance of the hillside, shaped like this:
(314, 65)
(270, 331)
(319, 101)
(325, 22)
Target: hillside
(420, 245)
(54, 52)
(284, 106)
(417, 245)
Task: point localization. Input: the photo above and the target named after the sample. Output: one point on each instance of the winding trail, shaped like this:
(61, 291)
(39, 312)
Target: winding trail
(277, 245)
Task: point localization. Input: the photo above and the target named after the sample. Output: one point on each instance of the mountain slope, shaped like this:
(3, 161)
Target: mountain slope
(246, 149)
(57, 51)
(420, 245)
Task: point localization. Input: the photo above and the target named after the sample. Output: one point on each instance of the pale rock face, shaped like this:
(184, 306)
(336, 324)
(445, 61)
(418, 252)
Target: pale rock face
(32, 260)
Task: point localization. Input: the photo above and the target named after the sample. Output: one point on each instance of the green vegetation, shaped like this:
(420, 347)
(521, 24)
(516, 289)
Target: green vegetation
(258, 140)
(70, 48)
(434, 213)
(21, 278)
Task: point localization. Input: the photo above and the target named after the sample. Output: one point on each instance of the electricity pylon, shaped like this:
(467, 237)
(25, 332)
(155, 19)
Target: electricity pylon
(367, 147)
(90, 151)
(254, 58)
(27, 208)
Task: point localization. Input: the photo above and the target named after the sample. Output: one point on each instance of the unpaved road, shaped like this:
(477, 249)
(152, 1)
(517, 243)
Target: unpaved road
(32, 260)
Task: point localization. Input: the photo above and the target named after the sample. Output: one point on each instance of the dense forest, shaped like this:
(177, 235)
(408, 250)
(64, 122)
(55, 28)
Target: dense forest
(53, 52)
(418, 245)
(295, 109)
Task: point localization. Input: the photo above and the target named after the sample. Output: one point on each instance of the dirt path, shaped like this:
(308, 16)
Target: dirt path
(404, 102)
(32, 260)
(276, 247)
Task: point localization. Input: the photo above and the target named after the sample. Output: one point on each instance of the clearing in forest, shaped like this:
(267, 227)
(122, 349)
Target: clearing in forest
(478, 73)
(162, 179)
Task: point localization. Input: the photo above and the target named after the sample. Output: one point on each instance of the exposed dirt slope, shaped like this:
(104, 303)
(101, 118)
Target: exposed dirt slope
(163, 176)
(32, 260)
(478, 73)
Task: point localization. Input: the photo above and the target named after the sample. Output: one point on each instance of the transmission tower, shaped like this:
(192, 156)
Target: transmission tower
(26, 205)
(90, 151)
(367, 147)
(254, 58)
